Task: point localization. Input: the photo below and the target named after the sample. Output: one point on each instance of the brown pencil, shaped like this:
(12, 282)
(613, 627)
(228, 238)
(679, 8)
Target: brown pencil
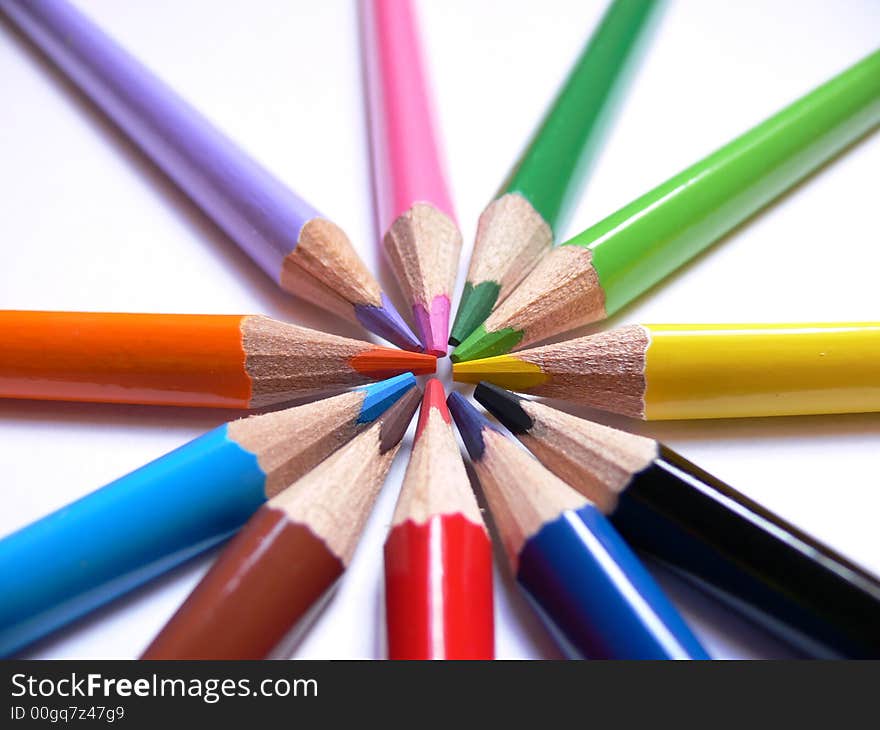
(288, 555)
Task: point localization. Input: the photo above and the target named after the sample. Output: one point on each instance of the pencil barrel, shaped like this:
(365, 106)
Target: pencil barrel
(643, 242)
(778, 576)
(728, 371)
(245, 607)
(101, 546)
(596, 594)
(159, 359)
(438, 590)
(550, 170)
(254, 208)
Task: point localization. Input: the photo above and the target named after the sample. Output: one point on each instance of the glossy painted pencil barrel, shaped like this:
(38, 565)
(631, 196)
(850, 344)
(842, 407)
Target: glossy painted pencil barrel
(600, 270)
(514, 233)
(228, 361)
(438, 588)
(264, 217)
(597, 594)
(244, 606)
(774, 573)
(728, 186)
(114, 539)
(661, 372)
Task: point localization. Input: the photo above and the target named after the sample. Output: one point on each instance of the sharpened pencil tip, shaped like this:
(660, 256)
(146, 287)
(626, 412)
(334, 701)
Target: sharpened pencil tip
(385, 362)
(470, 424)
(505, 406)
(379, 397)
(386, 322)
(481, 344)
(435, 397)
(433, 326)
(477, 303)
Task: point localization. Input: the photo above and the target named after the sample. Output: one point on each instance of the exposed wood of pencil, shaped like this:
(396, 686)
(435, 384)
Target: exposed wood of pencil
(605, 371)
(289, 442)
(288, 555)
(423, 245)
(325, 270)
(285, 361)
(560, 293)
(596, 460)
(511, 238)
(435, 482)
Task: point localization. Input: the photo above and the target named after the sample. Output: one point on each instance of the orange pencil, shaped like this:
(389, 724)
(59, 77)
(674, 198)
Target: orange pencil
(227, 361)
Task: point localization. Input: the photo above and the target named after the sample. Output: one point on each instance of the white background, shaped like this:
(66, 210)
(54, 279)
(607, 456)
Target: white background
(86, 223)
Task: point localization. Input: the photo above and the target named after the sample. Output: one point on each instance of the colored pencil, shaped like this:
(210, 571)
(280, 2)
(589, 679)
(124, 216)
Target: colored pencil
(288, 555)
(286, 237)
(229, 361)
(597, 272)
(413, 206)
(527, 215)
(759, 564)
(670, 371)
(597, 598)
(145, 523)
(438, 556)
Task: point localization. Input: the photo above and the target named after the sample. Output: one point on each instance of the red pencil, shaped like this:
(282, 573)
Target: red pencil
(438, 556)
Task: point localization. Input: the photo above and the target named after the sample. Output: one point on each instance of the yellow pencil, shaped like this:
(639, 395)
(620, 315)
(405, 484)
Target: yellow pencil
(670, 371)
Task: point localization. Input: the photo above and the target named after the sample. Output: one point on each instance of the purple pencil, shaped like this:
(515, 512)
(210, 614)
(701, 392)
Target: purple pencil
(306, 254)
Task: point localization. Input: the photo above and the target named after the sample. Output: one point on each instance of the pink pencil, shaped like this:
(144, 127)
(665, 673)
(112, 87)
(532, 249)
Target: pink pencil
(414, 210)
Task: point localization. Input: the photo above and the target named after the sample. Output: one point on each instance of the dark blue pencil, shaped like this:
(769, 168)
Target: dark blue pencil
(591, 589)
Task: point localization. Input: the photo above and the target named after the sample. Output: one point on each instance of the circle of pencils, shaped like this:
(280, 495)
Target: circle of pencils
(228, 361)
(298, 484)
(657, 372)
(740, 552)
(438, 557)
